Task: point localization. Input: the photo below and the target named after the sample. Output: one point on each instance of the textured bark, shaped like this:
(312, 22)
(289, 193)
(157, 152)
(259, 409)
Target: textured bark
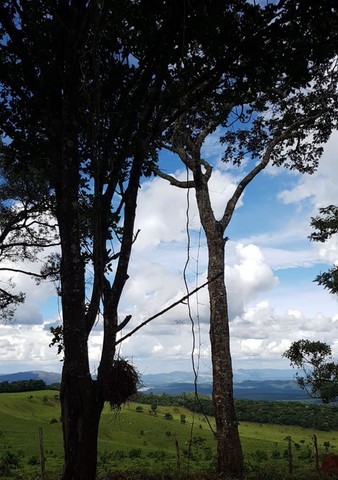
(81, 411)
(229, 449)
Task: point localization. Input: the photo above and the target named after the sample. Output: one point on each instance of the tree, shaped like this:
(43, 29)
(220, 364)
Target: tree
(325, 225)
(314, 358)
(273, 126)
(87, 88)
(26, 229)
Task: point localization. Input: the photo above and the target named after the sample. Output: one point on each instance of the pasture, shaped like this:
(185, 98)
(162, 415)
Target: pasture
(136, 438)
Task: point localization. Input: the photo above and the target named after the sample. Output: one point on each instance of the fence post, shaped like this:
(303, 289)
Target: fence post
(42, 454)
(315, 450)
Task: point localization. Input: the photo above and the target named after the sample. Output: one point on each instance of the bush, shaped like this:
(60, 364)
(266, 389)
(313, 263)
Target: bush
(8, 461)
(157, 455)
(139, 409)
(261, 455)
(120, 454)
(134, 453)
(33, 460)
(168, 416)
(53, 420)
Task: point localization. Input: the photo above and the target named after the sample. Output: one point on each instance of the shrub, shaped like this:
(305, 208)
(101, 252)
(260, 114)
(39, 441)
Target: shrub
(134, 453)
(261, 455)
(139, 409)
(120, 454)
(168, 416)
(33, 460)
(275, 454)
(157, 455)
(8, 461)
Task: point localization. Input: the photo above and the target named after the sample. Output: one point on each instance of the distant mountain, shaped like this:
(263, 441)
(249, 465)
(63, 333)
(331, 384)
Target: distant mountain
(47, 377)
(269, 390)
(253, 384)
(240, 375)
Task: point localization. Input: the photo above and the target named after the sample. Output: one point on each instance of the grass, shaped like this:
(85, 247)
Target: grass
(134, 439)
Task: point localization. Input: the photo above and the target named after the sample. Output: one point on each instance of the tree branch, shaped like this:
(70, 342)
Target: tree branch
(288, 133)
(165, 310)
(17, 270)
(173, 181)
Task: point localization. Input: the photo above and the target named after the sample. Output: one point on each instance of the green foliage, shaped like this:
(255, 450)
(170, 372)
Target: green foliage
(33, 460)
(22, 386)
(134, 453)
(8, 462)
(320, 377)
(325, 225)
(261, 455)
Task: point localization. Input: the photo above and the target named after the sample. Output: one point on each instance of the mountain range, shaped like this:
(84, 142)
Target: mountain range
(254, 384)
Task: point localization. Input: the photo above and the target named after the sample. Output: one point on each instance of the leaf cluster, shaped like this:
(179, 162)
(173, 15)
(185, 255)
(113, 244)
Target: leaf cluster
(314, 358)
(325, 225)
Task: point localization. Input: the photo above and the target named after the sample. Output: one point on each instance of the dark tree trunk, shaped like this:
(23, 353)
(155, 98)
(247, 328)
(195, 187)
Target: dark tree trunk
(229, 450)
(81, 412)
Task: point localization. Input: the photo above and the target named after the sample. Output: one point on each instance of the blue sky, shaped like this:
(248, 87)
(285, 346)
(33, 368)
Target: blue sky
(271, 266)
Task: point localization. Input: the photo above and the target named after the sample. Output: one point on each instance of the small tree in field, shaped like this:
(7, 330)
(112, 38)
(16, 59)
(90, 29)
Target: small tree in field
(319, 377)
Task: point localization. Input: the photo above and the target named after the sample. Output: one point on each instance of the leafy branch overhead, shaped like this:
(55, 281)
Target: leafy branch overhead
(325, 226)
(319, 377)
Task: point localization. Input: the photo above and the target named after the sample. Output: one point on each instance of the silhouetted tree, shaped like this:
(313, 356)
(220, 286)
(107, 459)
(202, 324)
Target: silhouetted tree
(320, 372)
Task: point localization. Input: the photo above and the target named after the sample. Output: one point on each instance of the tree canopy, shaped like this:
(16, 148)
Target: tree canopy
(325, 226)
(320, 372)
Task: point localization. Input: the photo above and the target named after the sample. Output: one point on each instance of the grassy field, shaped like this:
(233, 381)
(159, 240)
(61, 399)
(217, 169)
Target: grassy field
(135, 438)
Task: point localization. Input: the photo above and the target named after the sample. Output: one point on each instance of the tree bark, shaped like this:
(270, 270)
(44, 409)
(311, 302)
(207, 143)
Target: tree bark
(81, 411)
(229, 450)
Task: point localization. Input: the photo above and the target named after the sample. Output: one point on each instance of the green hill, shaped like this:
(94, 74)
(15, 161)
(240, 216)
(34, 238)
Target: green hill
(135, 438)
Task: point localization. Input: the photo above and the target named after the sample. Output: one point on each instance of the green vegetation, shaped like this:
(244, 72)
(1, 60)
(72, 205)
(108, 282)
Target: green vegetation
(142, 439)
(307, 415)
(22, 386)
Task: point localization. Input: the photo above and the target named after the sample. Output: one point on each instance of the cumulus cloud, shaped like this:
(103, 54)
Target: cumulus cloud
(27, 348)
(321, 187)
(267, 310)
(162, 211)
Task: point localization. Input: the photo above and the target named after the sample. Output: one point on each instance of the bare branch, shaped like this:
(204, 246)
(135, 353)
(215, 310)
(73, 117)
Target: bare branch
(173, 181)
(17, 270)
(165, 310)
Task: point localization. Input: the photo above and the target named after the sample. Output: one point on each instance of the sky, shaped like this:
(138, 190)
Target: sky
(271, 265)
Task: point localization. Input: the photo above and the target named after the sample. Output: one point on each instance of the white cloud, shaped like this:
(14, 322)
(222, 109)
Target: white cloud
(321, 188)
(26, 347)
(269, 306)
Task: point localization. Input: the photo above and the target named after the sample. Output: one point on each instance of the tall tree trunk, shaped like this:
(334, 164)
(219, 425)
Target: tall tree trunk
(81, 412)
(81, 404)
(229, 450)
